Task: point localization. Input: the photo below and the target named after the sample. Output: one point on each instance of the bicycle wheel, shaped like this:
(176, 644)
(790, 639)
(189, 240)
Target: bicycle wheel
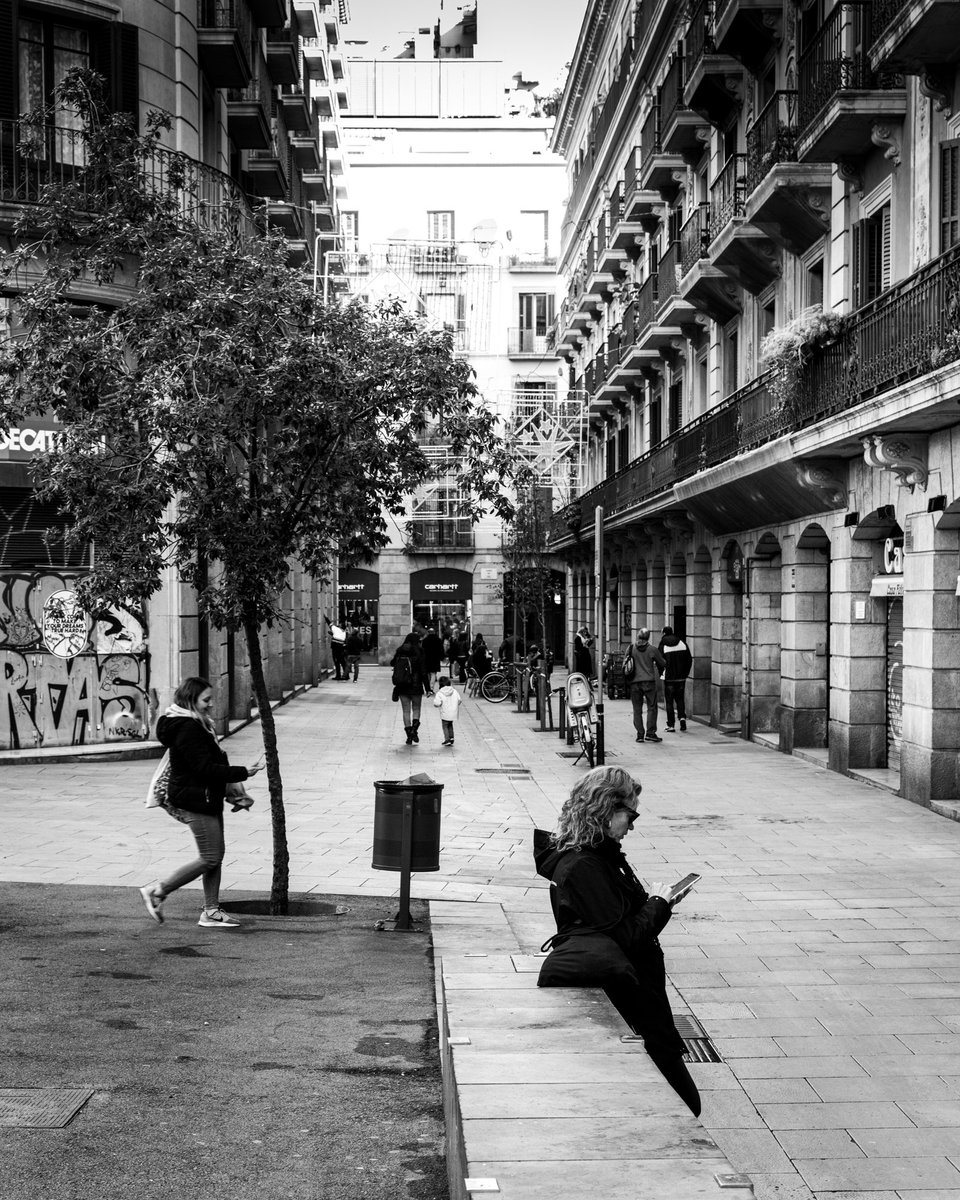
(495, 687)
(585, 734)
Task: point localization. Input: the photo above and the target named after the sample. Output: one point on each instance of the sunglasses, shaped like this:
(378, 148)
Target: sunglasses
(632, 811)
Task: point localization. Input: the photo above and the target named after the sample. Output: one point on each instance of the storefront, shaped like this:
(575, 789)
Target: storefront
(359, 593)
(888, 586)
(440, 598)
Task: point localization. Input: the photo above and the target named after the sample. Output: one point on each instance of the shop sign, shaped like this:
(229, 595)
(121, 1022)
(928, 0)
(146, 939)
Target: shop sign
(887, 586)
(64, 624)
(893, 557)
(440, 585)
(21, 443)
(358, 584)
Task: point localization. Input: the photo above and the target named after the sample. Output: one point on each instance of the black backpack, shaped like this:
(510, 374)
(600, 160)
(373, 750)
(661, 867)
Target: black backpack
(402, 671)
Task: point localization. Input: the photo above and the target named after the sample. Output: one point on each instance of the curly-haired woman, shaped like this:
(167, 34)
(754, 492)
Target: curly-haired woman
(596, 893)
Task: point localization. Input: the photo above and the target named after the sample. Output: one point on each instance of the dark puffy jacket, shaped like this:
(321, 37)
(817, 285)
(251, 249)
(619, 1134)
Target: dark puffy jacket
(678, 658)
(418, 671)
(199, 769)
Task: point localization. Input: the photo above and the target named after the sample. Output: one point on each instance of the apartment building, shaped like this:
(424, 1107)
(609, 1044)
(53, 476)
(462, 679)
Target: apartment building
(255, 89)
(761, 258)
(455, 209)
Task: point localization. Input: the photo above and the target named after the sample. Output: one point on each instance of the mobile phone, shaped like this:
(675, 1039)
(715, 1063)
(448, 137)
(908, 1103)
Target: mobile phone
(683, 886)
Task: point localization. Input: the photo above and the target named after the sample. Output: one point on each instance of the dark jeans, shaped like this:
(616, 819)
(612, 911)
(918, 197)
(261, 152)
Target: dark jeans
(353, 664)
(640, 694)
(673, 694)
(447, 730)
(339, 651)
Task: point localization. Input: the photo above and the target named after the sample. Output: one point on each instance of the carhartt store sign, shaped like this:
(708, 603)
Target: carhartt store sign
(440, 585)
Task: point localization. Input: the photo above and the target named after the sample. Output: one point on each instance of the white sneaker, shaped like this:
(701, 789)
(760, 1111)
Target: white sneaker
(153, 901)
(218, 919)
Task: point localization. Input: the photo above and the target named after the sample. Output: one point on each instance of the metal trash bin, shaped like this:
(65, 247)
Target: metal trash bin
(389, 799)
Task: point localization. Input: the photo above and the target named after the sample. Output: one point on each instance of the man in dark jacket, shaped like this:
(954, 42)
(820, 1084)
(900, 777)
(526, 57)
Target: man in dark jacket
(648, 664)
(679, 660)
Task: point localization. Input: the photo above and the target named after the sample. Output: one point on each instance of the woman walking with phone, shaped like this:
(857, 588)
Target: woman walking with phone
(200, 773)
(607, 922)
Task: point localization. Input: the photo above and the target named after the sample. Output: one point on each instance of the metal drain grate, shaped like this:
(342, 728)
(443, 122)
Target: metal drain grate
(577, 754)
(699, 1046)
(41, 1108)
(502, 770)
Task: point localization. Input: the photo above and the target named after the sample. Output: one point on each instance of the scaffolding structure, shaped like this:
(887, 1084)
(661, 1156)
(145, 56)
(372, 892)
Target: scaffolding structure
(443, 281)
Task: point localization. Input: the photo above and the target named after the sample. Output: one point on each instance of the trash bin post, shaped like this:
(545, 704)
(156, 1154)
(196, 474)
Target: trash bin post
(404, 920)
(406, 834)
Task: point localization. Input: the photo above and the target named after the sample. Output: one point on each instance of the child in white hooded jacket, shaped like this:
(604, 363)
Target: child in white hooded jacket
(448, 700)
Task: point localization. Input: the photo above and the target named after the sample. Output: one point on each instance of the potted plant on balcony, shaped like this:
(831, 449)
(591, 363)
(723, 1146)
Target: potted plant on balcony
(786, 350)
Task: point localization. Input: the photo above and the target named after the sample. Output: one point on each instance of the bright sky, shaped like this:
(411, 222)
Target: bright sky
(533, 36)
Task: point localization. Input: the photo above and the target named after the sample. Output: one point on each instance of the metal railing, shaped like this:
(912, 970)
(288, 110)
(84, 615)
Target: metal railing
(650, 135)
(727, 194)
(908, 331)
(34, 157)
(670, 95)
(886, 11)
(698, 41)
(694, 238)
(446, 534)
(667, 271)
(608, 109)
(772, 138)
(527, 341)
(837, 60)
(614, 347)
(226, 14)
(646, 303)
(615, 207)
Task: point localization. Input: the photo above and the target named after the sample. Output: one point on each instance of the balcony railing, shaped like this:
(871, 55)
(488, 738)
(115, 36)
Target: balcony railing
(35, 157)
(614, 338)
(615, 208)
(604, 118)
(527, 341)
(694, 238)
(628, 328)
(903, 334)
(600, 240)
(772, 138)
(837, 60)
(667, 286)
(650, 134)
(885, 11)
(427, 534)
(670, 96)
(646, 302)
(727, 194)
(698, 41)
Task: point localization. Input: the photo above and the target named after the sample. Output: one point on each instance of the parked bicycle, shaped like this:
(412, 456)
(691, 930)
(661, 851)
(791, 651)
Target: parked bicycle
(582, 715)
(500, 684)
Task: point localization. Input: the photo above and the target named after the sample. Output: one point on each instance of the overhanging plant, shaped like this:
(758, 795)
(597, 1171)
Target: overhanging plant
(786, 349)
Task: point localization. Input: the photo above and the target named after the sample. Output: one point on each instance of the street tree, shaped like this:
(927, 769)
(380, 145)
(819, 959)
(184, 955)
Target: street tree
(528, 584)
(214, 415)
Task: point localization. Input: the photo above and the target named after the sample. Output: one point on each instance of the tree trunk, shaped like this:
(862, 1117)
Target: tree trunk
(280, 888)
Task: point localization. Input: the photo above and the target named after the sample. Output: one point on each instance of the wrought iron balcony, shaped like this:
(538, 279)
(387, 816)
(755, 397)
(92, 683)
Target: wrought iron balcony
(772, 138)
(678, 124)
(694, 238)
(902, 335)
(727, 194)
(645, 304)
(224, 38)
(667, 269)
(918, 37)
(247, 121)
(699, 40)
(283, 54)
(34, 157)
(524, 343)
(708, 73)
(747, 29)
(841, 96)
(426, 534)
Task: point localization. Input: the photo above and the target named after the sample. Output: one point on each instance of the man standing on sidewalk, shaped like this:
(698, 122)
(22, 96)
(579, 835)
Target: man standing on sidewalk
(338, 649)
(679, 661)
(647, 666)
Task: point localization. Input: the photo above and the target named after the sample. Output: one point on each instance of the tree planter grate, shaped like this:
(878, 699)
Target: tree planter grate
(41, 1108)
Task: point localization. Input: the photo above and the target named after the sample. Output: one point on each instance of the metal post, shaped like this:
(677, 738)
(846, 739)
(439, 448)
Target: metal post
(404, 920)
(562, 715)
(599, 614)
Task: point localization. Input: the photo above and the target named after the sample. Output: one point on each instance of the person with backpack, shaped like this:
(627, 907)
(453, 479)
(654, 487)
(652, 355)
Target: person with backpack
(679, 661)
(409, 683)
(354, 648)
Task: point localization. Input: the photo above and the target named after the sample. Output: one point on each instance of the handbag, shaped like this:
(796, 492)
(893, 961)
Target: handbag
(237, 795)
(629, 666)
(159, 785)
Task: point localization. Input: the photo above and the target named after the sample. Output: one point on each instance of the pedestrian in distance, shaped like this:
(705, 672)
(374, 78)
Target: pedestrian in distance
(582, 658)
(598, 900)
(354, 648)
(448, 700)
(648, 664)
(409, 684)
(679, 661)
(510, 649)
(432, 648)
(480, 658)
(199, 775)
(338, 649)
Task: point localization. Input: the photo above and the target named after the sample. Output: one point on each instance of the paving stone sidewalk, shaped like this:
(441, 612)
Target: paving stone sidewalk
(821, 950)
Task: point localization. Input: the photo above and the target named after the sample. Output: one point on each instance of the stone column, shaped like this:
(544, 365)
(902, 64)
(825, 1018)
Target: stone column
(764, 649)
(931, 665)
(726, 683)
(804, 659)
(699, 582)
(858, 698)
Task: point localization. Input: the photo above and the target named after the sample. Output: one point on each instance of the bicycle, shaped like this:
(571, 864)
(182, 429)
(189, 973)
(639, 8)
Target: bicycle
(500, 684)
(581, 715)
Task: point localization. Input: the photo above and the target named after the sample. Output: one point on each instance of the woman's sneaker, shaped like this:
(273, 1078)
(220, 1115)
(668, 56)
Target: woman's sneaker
(218, 919)
(153, 900)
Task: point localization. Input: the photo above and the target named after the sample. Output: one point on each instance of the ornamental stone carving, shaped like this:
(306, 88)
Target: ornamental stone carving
(882, 136)
(826, 477)
(904, 455)
(937, 84)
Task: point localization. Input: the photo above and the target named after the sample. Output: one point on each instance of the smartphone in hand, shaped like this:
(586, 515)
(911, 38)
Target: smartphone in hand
(682, 886)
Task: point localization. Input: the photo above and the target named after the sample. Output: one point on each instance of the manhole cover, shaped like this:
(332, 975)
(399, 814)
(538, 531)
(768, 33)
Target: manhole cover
(41, 1108)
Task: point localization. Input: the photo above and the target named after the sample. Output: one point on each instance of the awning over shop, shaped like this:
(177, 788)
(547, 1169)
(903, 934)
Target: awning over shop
(886, 585)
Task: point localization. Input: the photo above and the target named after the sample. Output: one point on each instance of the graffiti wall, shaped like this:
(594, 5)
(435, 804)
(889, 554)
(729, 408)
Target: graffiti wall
(98, 694)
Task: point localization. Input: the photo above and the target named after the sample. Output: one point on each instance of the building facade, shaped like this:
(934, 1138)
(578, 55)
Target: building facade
(761, 257)
(255, 89)
(455, 208)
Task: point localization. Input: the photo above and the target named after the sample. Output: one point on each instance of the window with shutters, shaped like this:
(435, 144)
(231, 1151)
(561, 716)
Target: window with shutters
(872, 261)
(949, 194)
(611, 456)
(440, 226)
(656, 420)
(675, 414)
(350, 230)
(623, 446)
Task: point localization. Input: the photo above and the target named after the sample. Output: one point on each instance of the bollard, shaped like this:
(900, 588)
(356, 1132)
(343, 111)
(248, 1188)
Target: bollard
(562, 715)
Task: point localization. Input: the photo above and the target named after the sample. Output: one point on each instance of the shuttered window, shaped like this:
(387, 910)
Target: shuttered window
(440, 226)
(949, 195)
(31, 533)
(872, 256)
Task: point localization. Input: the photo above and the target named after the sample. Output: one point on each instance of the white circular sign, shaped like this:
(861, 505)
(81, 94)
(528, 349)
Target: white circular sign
(64, 624)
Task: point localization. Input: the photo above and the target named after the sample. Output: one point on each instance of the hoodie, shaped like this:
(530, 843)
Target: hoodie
(593, 887)
(678, 658)
(448, 700)
(199, 769)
